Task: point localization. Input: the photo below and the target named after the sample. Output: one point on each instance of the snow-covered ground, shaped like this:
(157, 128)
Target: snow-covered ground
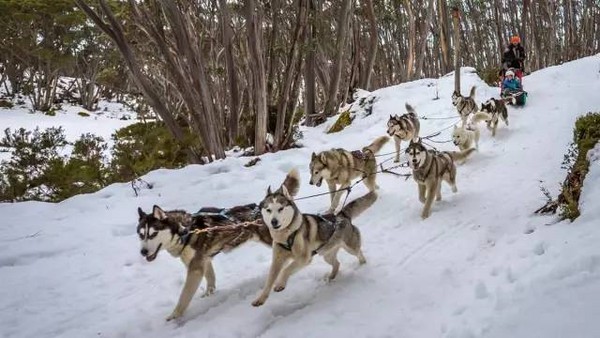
(109, 117)
(481, 266)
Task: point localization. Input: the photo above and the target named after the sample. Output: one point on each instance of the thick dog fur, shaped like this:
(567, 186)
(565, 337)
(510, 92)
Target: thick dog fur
(497, 110)
(464, 137)
(195, 239)
(338, 167)
(403, 128)
(465, 105)
(298, 237)
(430, 168)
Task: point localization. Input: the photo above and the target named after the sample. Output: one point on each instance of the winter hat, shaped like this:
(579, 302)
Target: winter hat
(509, 73)
(515, 39)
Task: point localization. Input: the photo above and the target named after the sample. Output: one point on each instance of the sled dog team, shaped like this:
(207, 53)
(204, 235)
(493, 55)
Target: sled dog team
(295, 237)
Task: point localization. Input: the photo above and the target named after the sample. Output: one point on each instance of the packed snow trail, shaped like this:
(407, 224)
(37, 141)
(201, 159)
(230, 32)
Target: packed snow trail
(480, 266)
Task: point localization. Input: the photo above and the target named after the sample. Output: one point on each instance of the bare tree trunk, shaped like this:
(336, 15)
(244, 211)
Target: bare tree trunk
(456, 21)
(412, 40)
(423, 39)
(232, 80)
(309, 70)
(444, 35)
(292, 59)
(373, 38)
(253, 26)
(332, 95)
(115, 31)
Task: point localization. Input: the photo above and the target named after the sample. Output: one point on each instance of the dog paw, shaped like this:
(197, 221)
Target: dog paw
(396, 160)
(425, 214)
(279, 288)
(258, 302)
(173, 315)
(209, 291)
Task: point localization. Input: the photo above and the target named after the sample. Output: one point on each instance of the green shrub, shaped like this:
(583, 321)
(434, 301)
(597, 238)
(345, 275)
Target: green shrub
(85, 171)
(342, 122)
(6, 104)
(585, 137)
(489, 75)
(37, 170)
(83, 114)
(142, 147)
(51, 112)
(23, 177)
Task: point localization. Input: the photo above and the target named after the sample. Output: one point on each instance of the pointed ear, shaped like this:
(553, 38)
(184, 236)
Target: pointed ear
(159, 213)
(285, 192)
(269, 191)
(141, 213)
(391, 117)
(323, 158)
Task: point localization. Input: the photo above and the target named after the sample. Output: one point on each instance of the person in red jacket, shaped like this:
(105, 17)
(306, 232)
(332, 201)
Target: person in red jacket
(514, 57)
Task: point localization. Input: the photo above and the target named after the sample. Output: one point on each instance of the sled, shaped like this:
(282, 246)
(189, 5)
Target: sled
(514, 97)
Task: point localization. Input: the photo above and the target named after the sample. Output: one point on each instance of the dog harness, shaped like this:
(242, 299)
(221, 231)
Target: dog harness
(289, 243)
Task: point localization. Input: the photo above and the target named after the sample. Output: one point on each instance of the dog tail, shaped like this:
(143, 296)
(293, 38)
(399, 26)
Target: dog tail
(292, 182)
(461, 155)
(376, 146)
(410, 109)
(480, 117)
(472, 93)
(359, 205)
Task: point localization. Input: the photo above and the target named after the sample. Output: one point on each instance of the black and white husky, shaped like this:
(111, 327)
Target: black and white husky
(297, 237)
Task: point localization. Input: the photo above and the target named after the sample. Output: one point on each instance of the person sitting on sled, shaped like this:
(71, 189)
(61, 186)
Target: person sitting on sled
(511, 84)
(514, 57)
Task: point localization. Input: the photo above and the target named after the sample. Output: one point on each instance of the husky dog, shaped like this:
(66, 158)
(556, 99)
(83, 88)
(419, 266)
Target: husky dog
(429, 168)
(340, 167)
(497, 110)
(403, 128)
(465, 105)
(297, 237)
(196, 238)
(465, 136)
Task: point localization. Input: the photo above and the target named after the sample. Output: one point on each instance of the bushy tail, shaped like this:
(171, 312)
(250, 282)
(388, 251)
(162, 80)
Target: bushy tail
(410, 109)
(359, 205)
(472, 93)
(480, 117)
(292, 182)
(376, 146)
(461, 155)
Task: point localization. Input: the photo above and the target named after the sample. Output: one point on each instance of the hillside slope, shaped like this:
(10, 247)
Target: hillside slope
(481, 265)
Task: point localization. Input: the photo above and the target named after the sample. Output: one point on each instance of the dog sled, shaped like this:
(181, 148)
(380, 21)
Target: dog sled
(517, 97)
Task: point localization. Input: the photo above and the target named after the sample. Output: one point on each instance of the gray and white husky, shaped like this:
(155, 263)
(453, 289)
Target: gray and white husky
(297, 237)
(403, 128)
(465, 105)
(197, 238)
(430, 168)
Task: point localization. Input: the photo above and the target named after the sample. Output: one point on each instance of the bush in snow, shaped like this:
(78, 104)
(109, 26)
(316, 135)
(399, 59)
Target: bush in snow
(38, 171)
(142, 147)
(585, 136)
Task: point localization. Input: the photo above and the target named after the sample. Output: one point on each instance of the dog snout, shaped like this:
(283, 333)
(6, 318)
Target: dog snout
(144, 252)
(275, 223)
